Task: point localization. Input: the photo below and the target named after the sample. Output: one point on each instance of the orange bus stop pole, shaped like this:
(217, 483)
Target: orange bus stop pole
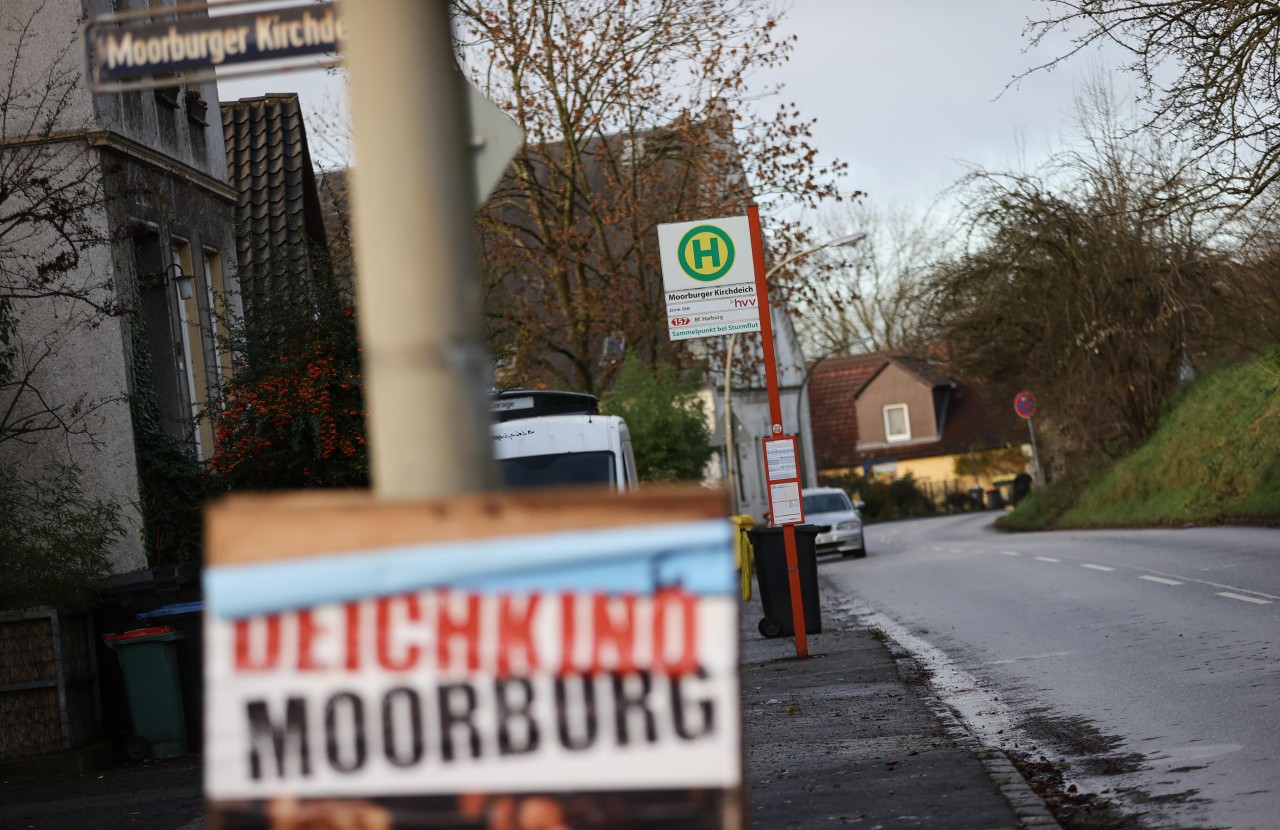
(775, 420)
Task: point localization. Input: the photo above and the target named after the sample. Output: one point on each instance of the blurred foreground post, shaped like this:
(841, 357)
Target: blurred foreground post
(425, 365)
(339, 615)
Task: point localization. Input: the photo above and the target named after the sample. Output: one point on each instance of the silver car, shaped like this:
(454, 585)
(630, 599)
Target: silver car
(831, 509)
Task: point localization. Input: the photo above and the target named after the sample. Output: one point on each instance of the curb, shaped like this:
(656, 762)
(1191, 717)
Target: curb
(1027, 805)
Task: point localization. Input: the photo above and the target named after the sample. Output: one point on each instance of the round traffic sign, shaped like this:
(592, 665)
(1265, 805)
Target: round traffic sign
(1025, 404)
(706, 253)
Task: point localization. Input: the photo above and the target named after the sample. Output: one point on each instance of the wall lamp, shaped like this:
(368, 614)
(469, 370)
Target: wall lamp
(172, 275)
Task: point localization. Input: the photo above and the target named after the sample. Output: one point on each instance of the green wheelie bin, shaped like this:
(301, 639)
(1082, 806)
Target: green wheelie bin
(149, 663)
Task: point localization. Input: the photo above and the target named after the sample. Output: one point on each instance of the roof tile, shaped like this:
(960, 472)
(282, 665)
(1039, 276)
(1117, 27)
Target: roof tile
(270, 164)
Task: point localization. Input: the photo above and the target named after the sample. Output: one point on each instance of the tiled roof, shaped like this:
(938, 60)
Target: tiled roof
(973, 418)
(834, 420)
(278, 211)
(978, 419)
(925, 371)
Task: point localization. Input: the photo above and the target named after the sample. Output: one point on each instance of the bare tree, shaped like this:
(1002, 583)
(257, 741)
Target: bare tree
(50, 215)
(1246, 287)
(1208, 69)
(635, 114)
(57, 540)
(872, 297)
(1085, 282)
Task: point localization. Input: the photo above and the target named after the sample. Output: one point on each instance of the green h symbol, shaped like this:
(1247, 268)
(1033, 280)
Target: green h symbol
(705, 253)
(699, 253)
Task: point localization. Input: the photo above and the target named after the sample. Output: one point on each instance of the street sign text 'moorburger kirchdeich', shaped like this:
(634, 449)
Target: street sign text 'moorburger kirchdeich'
(129, 51)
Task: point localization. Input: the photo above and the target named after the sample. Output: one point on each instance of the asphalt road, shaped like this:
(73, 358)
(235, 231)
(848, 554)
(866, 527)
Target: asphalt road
(1145, 665)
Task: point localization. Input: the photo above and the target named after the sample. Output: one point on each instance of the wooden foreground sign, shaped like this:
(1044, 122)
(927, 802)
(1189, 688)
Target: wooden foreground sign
(523, 660)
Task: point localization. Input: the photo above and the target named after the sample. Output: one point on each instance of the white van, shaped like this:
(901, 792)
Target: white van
(548, 439)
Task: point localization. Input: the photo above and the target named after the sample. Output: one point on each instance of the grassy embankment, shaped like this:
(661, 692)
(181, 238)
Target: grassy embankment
(1215, 458)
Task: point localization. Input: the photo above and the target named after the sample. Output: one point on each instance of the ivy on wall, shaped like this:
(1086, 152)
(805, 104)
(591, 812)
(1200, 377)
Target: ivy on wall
(171, 483)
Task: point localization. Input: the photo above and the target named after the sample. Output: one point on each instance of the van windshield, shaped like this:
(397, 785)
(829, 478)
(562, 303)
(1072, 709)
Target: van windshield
(558, 469)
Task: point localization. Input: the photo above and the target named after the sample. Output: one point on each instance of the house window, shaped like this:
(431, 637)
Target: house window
(897, 426)
(193, 366)
(632, 150)
(215, 285)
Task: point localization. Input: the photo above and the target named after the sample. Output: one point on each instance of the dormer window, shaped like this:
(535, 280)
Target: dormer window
(897, 424)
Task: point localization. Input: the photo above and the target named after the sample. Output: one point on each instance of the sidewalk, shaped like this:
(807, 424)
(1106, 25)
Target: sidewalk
(853, 735)
(850, 736)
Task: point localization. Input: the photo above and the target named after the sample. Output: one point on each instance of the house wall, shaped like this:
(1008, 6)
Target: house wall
(53, 31)
(751, 418)
(936, 475)
(78, 364)
(894, 386)
(157, 210)
(132, 115)
(936, 470)
(184, 126)
(167, 174)
(74, 358)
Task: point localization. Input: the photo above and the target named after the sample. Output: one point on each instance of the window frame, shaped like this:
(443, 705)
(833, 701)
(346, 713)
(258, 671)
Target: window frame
(180, 255)
(219, 312)
(889, 435)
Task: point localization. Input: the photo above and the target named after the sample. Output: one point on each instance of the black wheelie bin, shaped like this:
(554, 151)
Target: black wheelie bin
(770, 554)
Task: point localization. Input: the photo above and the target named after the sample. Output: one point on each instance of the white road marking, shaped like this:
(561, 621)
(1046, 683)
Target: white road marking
(1257, 598)
(1243, 598)
(1216, 585)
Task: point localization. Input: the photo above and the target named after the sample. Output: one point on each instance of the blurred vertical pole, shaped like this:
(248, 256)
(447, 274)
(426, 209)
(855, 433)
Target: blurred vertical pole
(425, 366)
(1035, 456)
(730, 445)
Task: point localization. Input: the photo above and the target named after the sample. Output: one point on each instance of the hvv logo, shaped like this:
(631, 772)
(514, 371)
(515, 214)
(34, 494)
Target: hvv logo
(739, 302)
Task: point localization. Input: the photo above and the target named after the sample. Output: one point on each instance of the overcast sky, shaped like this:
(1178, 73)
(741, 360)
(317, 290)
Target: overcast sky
(905, 91)
(902, 90)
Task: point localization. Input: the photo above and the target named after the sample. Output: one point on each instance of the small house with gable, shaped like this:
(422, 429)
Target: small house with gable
(887, 416)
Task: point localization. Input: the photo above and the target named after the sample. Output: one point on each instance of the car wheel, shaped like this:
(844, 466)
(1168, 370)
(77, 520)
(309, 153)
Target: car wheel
(860, 553)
